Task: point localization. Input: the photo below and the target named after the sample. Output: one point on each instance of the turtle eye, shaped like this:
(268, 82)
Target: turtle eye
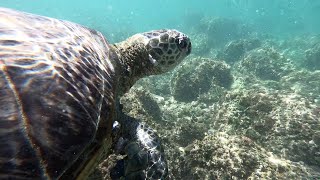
(182, 44)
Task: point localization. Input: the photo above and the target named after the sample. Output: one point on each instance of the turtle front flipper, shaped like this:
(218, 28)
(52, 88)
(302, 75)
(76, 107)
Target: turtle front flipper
(142, 147)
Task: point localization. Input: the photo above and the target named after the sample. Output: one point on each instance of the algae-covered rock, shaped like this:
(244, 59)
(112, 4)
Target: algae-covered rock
(218, 156)
(265, 64)
(236, 49)
(158, 85)
(305, 83)
(222, 156)
(140, 103)
(190, 121)
(197, 76)
(313, 57)
(296, 128)
(246, 112)
(187, 130)
(285, 123)
(209, 33)
(222, 30)
(200, 44)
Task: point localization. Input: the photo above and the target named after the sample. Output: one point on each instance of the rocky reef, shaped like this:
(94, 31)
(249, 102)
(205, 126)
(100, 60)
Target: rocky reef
(240, 107)
(209, 33)
(235, 50)
(248, 129)
(187, 86)
(313, 57)
(266, 64)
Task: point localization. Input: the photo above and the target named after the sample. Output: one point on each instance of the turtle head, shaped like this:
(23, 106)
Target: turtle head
(167, 48)
(150, 53)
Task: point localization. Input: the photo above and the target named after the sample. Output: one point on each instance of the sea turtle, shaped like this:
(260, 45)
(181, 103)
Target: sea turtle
(60, 85)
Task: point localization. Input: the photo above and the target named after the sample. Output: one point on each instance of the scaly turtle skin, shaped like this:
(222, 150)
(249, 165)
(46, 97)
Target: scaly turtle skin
(60, 85)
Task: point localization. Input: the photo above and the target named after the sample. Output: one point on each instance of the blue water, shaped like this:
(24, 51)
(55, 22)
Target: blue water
(114, 16)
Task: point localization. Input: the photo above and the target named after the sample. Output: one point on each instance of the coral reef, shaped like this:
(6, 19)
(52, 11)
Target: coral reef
(222, 156)
(222, 30)
(200, 43)
(217, 156)
(209, 33)
(248, 113)
(304, 83)
(140, 97)
(295, 48)
(159, 85)
(313, 57)
(186, 85)
(282, 122)
(235, 50)
(266, 64)
(252, 132)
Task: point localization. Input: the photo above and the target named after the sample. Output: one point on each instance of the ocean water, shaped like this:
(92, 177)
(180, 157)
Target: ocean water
(278, 16)
(244, 105)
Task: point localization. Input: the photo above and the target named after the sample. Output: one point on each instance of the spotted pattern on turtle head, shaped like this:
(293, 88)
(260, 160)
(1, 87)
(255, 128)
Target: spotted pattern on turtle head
(168, 47)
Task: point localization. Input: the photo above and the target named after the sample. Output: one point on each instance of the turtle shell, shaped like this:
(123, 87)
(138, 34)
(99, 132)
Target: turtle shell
(57, 95)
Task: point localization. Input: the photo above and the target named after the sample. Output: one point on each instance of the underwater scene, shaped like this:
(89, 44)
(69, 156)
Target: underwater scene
(245, 104)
